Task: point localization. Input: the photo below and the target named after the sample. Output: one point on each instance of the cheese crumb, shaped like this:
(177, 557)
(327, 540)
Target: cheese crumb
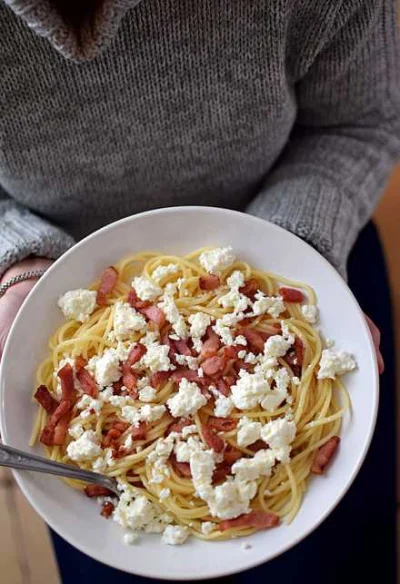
(187, 401)
(279, 434)
(145, 288)
(87, 447)
(106, 368)
(216, 260)
(78, 304)
(310, 313)
(334, 363)
(175, 535)
(156, 358)
(223, 406)
(207, 527)
(248, 431)
(162, 272)
(127, 320)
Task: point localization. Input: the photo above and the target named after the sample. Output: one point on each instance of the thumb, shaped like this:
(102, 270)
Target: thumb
(9, 306)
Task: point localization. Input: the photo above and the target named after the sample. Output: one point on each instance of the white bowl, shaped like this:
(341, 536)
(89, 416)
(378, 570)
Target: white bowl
(178, 231)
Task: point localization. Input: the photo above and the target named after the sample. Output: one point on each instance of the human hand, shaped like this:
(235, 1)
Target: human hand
(376, 337)
(11, 302)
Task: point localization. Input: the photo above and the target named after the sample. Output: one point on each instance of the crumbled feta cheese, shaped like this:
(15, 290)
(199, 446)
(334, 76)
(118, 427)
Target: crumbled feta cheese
(150, 338)
(199, 323)
(234, 299)
(76, 431)
(147, 394)
(120, 401)
(296, 380)
(145, 288)
(184, 450)
(329, 343)
(106, 368)
(164, 494)
(272, 305)
(207, 527)
(88, 405)
(249, 390)
(279, 434)
(335, 363)
(232, 498)
(130, 538)
(251, 358)
(146, 413)
(156, 358)
(216, 260)
(134, 513)
(249, 431)
(187, 401)
(86, 447)
(162, 272)
(241, 340)
(242, 354)
(276, 396)
(251, 469)
(310, 313)
(200, 372)
(78, 304)
(175, 535)
(235, 280)
(187, 361)
(127, 320)
(187, 430)
(173, 315)
(202, 466)
(99, 464)
(223, 406)
(277, 346)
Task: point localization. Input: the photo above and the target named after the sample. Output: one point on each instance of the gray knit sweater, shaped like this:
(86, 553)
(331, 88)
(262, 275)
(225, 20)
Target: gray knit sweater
(286, 108)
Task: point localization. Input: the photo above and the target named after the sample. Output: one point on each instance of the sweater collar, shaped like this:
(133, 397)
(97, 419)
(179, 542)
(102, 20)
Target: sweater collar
(81, 42)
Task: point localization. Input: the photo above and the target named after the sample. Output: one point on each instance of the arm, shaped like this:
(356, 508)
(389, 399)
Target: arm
(347, 133)
(23, 234)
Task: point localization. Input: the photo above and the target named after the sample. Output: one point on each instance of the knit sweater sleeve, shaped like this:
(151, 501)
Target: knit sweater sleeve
(346, 138)
(22, 233)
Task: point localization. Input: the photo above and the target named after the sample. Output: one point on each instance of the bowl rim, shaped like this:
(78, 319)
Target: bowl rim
(305, 533)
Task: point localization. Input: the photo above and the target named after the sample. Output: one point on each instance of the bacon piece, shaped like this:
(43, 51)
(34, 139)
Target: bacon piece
(211, 344)
(183, 348)
(209, 282)
(111, 437)
(249, 288)
(254, 339)
(45, 399)
(107, 509)
(134, 300)
(232, 351)
(117, 385)
(136, 353)
(139, 432)
(324, 455)
(60, 431)
(256, 446)
(212, 439)
(158, 378)
(181, 468)
(184, 372)
(129, 380)
(97, 491)
(154, 314)
(80, 362)
(120, 426)
(221, 424)
(231, 455)
(223, 387)
(68, 390)
(291, 294)
(295, 357)
(255, 519)
(213, 365)
(178, 426)
(107, 283)
(221, 472)
(87, 382)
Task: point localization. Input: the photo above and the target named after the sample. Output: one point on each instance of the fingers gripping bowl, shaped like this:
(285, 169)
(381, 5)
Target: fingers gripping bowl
(277, 400)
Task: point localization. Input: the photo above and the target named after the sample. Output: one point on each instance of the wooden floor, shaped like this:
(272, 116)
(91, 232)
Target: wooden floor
(26, 556)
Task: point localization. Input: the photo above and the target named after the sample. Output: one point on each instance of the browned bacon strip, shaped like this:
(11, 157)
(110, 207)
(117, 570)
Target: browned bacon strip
(107, 509)
(209, 282)
(107, 283)
(213, 365)
(178, 426)
(324, 455)
(46, 400)
(249, 288)
(65, 406)
(221, 424)
(134, 300)
(87, 382)
(291, 294)
(211, 344)
(181, 468)
(98, 491)
(184, 372)
(60, 431)
(80, 362)
(158, 378)
(212, 439)
(255, 519)
(154, 314)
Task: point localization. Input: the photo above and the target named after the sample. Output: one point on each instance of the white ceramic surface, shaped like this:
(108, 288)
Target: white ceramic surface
(181, 230)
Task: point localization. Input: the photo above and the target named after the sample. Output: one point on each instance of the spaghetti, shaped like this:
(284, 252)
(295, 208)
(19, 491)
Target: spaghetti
(198, 383)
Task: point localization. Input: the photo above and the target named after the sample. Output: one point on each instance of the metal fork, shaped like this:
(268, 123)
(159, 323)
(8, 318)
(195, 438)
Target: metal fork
(20, 460)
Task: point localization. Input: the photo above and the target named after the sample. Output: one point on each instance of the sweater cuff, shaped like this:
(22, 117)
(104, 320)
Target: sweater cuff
(23, 234)
(316, 211)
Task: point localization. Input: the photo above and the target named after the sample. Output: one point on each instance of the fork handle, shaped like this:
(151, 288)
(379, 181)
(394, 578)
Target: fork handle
(18, 459)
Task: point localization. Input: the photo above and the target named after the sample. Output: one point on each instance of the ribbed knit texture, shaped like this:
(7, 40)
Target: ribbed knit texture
(287, 108)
